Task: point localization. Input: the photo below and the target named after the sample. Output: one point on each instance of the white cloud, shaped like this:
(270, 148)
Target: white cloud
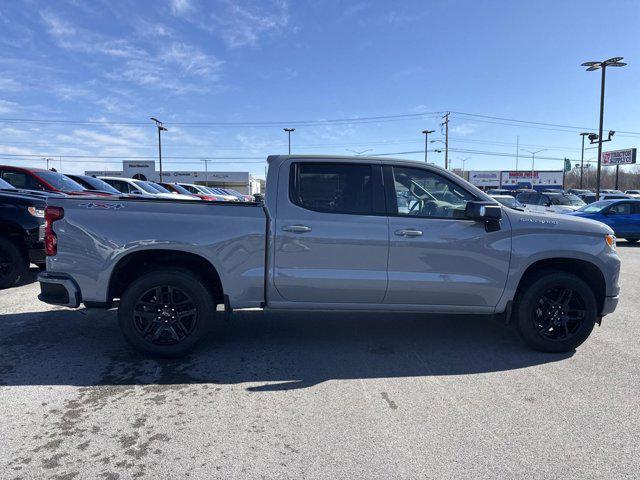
(181, 7)
(191, 60)
(463, 129)
(8, 107)
(9, 85)
(241, 24)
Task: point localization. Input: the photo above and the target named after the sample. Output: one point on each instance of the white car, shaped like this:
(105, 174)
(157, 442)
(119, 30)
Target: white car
(140, 187)
(537, 202)
(633, 193)
(202, 190)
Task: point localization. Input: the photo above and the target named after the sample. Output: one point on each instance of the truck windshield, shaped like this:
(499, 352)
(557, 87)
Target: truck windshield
(594, 207)
(60, 182)
(572, 200)
(97, 184)
(160, 188)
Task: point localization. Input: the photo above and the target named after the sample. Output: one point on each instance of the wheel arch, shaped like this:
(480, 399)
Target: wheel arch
(135, 264)
(587, 271)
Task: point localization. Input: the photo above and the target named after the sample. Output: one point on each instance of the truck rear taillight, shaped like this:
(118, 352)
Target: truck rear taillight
(51, 214)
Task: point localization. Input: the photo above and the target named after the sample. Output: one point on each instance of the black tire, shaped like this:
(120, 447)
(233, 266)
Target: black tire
(13, 263)
(41, 266)
(141, 318)
(555, 325)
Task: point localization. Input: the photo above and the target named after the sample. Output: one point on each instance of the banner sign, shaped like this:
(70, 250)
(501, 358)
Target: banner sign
(619, 157)
(524, 178)
(485, 178)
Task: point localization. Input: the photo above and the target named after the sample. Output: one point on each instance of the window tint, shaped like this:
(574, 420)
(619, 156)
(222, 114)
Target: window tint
(21, 180)
(635, 208)
(333, 187)
(544, 200)
(60, 182)
(621, 208)
(422, 193)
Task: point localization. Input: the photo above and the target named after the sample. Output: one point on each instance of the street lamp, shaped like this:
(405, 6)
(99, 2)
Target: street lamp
(426, 136)
(464, 162)
(592, 66)
(533, 160)
(160, 129)
(206, 170)
(289, 130)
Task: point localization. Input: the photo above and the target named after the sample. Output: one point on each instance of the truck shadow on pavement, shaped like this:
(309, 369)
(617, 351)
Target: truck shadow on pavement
(268, 351)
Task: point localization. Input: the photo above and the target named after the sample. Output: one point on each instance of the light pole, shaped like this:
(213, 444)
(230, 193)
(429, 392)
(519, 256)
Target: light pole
(206, 170)
(591, 66)
(289, 130)
(464, 162)
(426, 137)
(584, 134)
(160, 129)
(533, 160)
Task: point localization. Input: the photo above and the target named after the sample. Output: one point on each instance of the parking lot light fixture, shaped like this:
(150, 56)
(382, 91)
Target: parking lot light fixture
(426, 137)
(592, 66)
(533, 160)
(289, 130)
(161, 128)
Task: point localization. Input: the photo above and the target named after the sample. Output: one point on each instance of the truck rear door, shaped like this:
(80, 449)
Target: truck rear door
(331, 232)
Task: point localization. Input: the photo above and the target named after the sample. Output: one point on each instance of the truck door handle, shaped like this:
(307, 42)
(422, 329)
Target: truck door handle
(296, 228)
(406, 232)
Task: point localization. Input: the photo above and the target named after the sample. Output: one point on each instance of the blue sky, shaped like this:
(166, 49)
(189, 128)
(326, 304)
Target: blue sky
(278, 62)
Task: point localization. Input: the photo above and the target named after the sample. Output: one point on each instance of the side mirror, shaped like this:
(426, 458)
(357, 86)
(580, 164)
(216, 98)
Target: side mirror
(610, 212)
(483, 212)
(136, 192)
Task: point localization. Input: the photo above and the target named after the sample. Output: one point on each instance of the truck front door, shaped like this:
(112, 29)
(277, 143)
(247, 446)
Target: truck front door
(331, 232)
(438, 257)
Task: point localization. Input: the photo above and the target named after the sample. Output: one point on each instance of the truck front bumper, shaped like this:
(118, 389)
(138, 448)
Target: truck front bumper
(609, 305)
(59, 289)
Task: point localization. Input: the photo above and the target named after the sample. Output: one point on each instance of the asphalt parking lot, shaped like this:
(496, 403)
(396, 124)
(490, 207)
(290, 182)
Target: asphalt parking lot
(317, 396)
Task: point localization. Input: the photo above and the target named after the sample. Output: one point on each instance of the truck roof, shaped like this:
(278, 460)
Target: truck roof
(351, 158)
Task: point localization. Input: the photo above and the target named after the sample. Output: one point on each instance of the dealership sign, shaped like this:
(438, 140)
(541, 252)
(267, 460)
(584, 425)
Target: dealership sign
(619, 157)
(485, 178)
(542, 178)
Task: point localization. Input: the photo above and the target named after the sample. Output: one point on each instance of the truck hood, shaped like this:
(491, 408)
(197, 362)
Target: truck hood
(564, 223)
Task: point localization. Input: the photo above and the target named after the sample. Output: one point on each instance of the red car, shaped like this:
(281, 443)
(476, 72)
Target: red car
(174, 187)
(43, 180)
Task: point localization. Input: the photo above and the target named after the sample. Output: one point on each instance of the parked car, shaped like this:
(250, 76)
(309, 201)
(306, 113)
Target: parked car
(165, 191)
(623, 216)
(93, 184)
(141, 188)
(611, 191)
(21, 234)
(204, 190)
(42, 180)
(7, 187)
(508, 201)
(552, 190)
(591, 197)
(499, 191)
(539, 202)
(240, 196)
(579, 191)
(175, 188)
(633, 193)
(332, 236)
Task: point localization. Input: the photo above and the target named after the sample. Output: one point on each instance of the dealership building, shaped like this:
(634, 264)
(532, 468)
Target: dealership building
(511, 180)
(146, 170)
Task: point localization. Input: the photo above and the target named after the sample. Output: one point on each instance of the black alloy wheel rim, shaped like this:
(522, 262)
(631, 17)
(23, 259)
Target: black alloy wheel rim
(559, 313)
(165, 315)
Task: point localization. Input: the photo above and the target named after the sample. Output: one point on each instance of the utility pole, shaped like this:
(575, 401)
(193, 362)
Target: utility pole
(206, 170)
(426, 137)
(611, 62)
(289, 130)
(446, 140)
(47, 159)
(583, 134)
(160, 130)
(517, 150)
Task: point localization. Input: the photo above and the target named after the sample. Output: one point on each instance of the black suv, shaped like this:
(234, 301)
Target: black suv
(21, 233)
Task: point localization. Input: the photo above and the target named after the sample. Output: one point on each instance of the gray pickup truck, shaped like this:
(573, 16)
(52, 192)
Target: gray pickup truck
(335, 233)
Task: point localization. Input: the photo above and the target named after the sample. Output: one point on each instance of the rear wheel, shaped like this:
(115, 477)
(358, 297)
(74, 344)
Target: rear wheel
(166, 313)
(556, 312)
(13, 263)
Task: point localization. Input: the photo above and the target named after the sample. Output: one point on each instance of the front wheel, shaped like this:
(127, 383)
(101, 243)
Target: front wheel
(556, 312)
(166, 313)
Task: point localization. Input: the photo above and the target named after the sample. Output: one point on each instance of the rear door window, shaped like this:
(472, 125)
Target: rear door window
(333, 187)
(21, 180)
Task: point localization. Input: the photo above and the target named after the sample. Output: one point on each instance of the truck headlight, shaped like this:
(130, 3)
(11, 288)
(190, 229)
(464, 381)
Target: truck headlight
(36, 212)
(611, 241)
